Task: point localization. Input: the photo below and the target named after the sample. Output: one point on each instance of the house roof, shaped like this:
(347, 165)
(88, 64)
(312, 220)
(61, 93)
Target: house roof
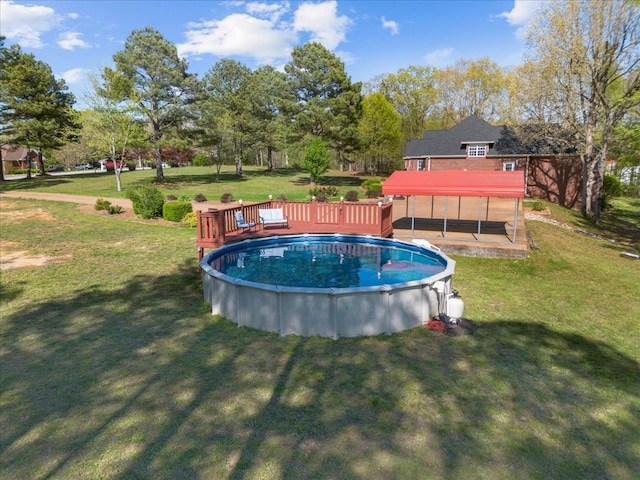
(463, 183)
(452, 142)
(12, 154)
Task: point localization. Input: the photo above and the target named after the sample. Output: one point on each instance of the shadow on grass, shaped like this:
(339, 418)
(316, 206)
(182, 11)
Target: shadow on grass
(152, 386)
(40, 181)
(622, 223)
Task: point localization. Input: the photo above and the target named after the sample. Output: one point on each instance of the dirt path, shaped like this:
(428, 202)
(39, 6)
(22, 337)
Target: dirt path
(64, 197)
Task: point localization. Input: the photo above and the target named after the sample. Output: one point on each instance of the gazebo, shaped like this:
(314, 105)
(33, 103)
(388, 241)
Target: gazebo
(466, 183)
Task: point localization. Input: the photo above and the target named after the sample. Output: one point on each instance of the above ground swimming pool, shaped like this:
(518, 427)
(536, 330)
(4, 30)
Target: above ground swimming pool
(326, 285)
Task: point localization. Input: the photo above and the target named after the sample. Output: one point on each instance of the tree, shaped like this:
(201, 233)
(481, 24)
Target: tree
(380, 131)
(269, 97)
(160, 85)
(316, 159)
(625, 149)
(36, 109)
(412, 93)
(590, 52)
(470, 88)
(111, 125)
(327, 103)
(225, 119)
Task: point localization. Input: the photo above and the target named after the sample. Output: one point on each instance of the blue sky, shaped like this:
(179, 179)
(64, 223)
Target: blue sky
(371, 37)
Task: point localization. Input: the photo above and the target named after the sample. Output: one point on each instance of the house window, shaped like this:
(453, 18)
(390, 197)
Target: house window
(509, 166)
(420, 165)
(477, 150)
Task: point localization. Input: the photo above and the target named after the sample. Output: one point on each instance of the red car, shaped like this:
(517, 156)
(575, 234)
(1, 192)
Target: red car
(109, 164)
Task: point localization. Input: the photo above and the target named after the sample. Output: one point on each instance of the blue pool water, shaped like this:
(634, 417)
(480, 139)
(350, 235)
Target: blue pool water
(329, 261)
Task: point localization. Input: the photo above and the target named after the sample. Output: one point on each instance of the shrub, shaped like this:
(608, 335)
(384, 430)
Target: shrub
(174, 211)
(374, 193)
(322, 197)
(200, 198)
(131, 166)
(190, 220)
(102, 204)
(282, 198)
(226, 198)
(147, 201)
(372, 184)
(171, 198)
(351, 196)
(330, 191)
(611, 188)
(201, 160)
(537, 206)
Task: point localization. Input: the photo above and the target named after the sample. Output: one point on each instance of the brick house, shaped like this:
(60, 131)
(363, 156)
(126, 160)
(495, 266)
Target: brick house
(474, 144)
(17, 157)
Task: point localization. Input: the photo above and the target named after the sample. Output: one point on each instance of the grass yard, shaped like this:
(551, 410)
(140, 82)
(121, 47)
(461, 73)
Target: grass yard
(112, 366)
(255, 184)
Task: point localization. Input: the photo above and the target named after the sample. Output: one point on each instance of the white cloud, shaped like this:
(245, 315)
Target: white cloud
(322, 22)
(71, 41)
(25, 24)
(263, 33)
(272, 11)
(238, 34)
(439, 57)
(391, 25)
(521, 14)
(75, 75)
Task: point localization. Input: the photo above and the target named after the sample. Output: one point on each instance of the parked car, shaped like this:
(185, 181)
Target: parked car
(55, 168)
(110, 164)
(84, 166)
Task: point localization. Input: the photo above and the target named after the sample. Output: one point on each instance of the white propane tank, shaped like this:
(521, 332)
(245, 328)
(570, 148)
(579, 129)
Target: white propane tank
(455, 308)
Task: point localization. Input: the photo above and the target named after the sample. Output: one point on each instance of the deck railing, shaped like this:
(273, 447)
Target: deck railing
(216, 227)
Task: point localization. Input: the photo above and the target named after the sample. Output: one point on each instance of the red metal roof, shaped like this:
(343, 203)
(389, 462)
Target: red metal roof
(462, 183)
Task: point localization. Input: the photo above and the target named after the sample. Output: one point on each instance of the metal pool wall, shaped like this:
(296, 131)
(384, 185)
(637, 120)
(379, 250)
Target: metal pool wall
(325, 312)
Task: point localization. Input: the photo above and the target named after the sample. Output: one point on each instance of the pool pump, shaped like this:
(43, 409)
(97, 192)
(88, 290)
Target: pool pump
(455, 308)
(450, 305)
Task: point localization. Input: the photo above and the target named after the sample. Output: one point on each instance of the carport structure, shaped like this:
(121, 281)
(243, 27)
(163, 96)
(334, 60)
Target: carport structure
(455, 183)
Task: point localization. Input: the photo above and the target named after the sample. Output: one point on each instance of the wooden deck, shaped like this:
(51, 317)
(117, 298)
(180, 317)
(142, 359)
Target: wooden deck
(401, 219)
(218, 226)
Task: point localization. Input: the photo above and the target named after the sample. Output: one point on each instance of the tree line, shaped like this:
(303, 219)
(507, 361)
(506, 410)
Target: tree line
(578, 88)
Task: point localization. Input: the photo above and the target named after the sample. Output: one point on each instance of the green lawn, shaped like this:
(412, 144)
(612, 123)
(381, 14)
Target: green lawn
(254, 185)
(112, 366)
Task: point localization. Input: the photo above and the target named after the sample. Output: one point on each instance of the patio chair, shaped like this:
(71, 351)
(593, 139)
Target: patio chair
(242, 223)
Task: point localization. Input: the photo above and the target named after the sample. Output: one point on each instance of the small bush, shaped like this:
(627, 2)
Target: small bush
(174, 211)
(282, 198)
(372, 184)
(131, 166)
(537, 206)
(322, 197)
(200, 198)
(147, 201)
(171, 198)
(611, 188)
(190, 220)
(374, 193)
(102, 204)
(226, 198)
(330, 191)
(114, 209)
(184, 198)
(351, 196)
(201, 160)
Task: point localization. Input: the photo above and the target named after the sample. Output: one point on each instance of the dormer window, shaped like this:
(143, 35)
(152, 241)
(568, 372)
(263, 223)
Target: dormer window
(477, 151)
